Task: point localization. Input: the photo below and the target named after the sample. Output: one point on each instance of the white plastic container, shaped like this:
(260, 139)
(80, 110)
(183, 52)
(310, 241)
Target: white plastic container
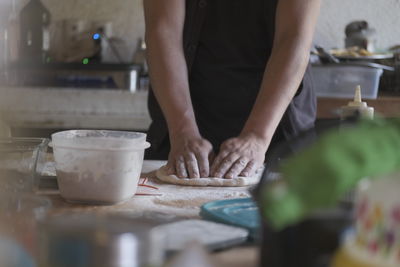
(339, 81)
(98, 166)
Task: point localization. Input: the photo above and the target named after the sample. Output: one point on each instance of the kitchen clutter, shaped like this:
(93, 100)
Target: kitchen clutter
(337, 71)
(360, 34)
(40, 50)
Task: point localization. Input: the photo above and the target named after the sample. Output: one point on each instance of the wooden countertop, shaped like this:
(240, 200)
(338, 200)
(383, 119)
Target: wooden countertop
(385, 105)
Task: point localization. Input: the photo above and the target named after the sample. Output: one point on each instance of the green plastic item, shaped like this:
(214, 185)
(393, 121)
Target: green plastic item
(318, 176)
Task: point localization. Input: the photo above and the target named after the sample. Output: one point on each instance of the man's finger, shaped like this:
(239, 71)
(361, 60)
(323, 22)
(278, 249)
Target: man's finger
(237, 168)
(181, 168)
(192, 166)
(217, 161)
(225, 165)
(170, 167)
(170, 170)
(203, 164)
(249, 170)
(211, 158)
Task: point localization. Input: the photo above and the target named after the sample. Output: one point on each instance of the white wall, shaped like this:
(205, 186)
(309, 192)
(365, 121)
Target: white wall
(127, 18)
(383, 15)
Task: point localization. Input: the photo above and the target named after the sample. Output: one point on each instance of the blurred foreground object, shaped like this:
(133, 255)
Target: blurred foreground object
(318, 176)
(375, 242)
(194, 255)
(306, 211)
(99, 240)
(19, 214)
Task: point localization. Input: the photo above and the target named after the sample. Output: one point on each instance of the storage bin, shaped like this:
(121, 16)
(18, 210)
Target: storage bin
(339, 81)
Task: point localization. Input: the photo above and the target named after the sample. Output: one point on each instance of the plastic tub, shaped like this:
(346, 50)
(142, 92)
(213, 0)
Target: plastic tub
(98, 167)
(339, 81)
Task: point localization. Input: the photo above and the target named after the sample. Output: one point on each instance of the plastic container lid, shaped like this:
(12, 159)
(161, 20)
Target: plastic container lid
(241, 212)
(100, 140)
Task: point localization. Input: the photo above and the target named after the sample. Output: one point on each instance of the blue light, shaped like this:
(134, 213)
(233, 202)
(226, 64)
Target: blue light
(96, 36)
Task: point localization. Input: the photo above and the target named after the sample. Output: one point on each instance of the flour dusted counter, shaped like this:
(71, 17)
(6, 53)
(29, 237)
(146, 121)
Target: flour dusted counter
(157, 200)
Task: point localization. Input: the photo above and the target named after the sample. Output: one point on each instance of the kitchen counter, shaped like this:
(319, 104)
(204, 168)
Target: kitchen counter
(175, 202)
(384, 105)
(66, 108)
(167, 200)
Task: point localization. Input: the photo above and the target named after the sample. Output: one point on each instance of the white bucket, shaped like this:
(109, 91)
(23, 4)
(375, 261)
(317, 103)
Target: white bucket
(97, 166)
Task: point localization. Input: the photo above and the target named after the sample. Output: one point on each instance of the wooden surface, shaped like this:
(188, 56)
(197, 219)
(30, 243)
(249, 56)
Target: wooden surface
(387, 106)
(246, 256)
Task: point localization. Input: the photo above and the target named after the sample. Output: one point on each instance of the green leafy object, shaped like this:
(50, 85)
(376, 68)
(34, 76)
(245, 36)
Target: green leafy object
(318, 176)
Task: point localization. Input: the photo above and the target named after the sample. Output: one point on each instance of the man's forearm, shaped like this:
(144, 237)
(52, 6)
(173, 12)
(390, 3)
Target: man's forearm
(168, 74)
(167, 65)
(282, 77)
(295, 25)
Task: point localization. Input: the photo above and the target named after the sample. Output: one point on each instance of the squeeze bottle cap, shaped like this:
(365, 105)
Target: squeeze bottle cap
(357, 102)
(357, 105)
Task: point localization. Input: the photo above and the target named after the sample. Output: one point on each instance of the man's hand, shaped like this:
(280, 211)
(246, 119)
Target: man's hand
(239, 156)
(189, 157)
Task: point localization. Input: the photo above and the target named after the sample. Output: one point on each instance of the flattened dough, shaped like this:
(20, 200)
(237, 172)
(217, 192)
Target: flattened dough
(238, 181)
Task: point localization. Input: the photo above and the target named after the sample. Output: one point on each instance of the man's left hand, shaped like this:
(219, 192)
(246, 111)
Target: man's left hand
(239, 156)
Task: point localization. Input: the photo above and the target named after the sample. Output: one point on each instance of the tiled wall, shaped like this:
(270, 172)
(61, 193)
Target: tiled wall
(128, 24)
(127, 16)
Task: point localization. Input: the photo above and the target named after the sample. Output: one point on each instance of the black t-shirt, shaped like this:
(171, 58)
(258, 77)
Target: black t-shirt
(227, 45)
(232, 51)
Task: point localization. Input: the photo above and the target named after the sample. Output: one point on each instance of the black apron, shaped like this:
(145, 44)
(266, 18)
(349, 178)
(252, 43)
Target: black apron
(227, 44)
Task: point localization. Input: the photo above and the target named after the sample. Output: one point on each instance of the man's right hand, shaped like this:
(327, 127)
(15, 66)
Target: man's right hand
(189, 156)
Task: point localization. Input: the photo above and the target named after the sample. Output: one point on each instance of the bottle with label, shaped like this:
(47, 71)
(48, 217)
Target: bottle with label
(34, 33)
(357, 107)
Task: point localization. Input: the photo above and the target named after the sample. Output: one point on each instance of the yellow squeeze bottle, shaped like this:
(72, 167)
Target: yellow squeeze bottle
(357, 107)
